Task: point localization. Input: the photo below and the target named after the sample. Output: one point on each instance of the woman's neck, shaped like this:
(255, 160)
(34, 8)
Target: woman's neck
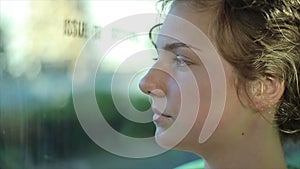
(255, 158)
(259, 148)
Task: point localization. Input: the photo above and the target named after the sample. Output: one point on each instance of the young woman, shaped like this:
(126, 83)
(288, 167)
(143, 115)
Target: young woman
(258, 42)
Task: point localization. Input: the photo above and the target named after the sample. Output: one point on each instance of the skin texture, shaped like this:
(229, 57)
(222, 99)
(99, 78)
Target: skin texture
(243, 138)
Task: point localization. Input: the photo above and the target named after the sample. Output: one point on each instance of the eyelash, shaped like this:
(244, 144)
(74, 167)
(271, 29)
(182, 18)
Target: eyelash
(180, 61)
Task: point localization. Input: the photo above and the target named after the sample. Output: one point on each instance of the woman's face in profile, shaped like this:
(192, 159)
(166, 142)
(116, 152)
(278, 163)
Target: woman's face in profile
(177, 68)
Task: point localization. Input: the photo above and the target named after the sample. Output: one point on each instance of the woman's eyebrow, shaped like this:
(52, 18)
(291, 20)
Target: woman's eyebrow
(172, 46)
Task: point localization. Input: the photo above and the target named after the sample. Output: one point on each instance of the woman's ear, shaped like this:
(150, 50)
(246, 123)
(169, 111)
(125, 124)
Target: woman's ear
(265, 93)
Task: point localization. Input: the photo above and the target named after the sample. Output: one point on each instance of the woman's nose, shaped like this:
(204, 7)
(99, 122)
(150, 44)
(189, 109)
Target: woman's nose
(154, 80)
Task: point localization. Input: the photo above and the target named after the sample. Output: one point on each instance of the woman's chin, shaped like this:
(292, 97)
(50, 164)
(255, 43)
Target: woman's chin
(171, 140)
(164, 139)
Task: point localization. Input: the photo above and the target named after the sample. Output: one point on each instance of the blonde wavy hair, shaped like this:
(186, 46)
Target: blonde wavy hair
(261, 38)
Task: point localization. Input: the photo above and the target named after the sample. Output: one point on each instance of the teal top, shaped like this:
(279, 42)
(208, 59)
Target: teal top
(197, 164)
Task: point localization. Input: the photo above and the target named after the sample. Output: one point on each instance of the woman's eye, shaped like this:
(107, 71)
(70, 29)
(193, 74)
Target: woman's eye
(155, 59)
(181, 62)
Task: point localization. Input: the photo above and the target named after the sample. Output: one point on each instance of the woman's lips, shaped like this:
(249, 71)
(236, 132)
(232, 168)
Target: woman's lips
(159, 116)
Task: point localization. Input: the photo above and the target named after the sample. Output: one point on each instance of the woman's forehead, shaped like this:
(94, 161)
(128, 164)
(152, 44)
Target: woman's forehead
(201, 19)
(186, 27)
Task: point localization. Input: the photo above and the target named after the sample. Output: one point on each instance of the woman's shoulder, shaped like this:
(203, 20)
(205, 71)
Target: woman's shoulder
(197, 164)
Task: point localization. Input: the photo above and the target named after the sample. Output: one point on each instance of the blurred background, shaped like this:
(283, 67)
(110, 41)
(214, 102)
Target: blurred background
(40, 41)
